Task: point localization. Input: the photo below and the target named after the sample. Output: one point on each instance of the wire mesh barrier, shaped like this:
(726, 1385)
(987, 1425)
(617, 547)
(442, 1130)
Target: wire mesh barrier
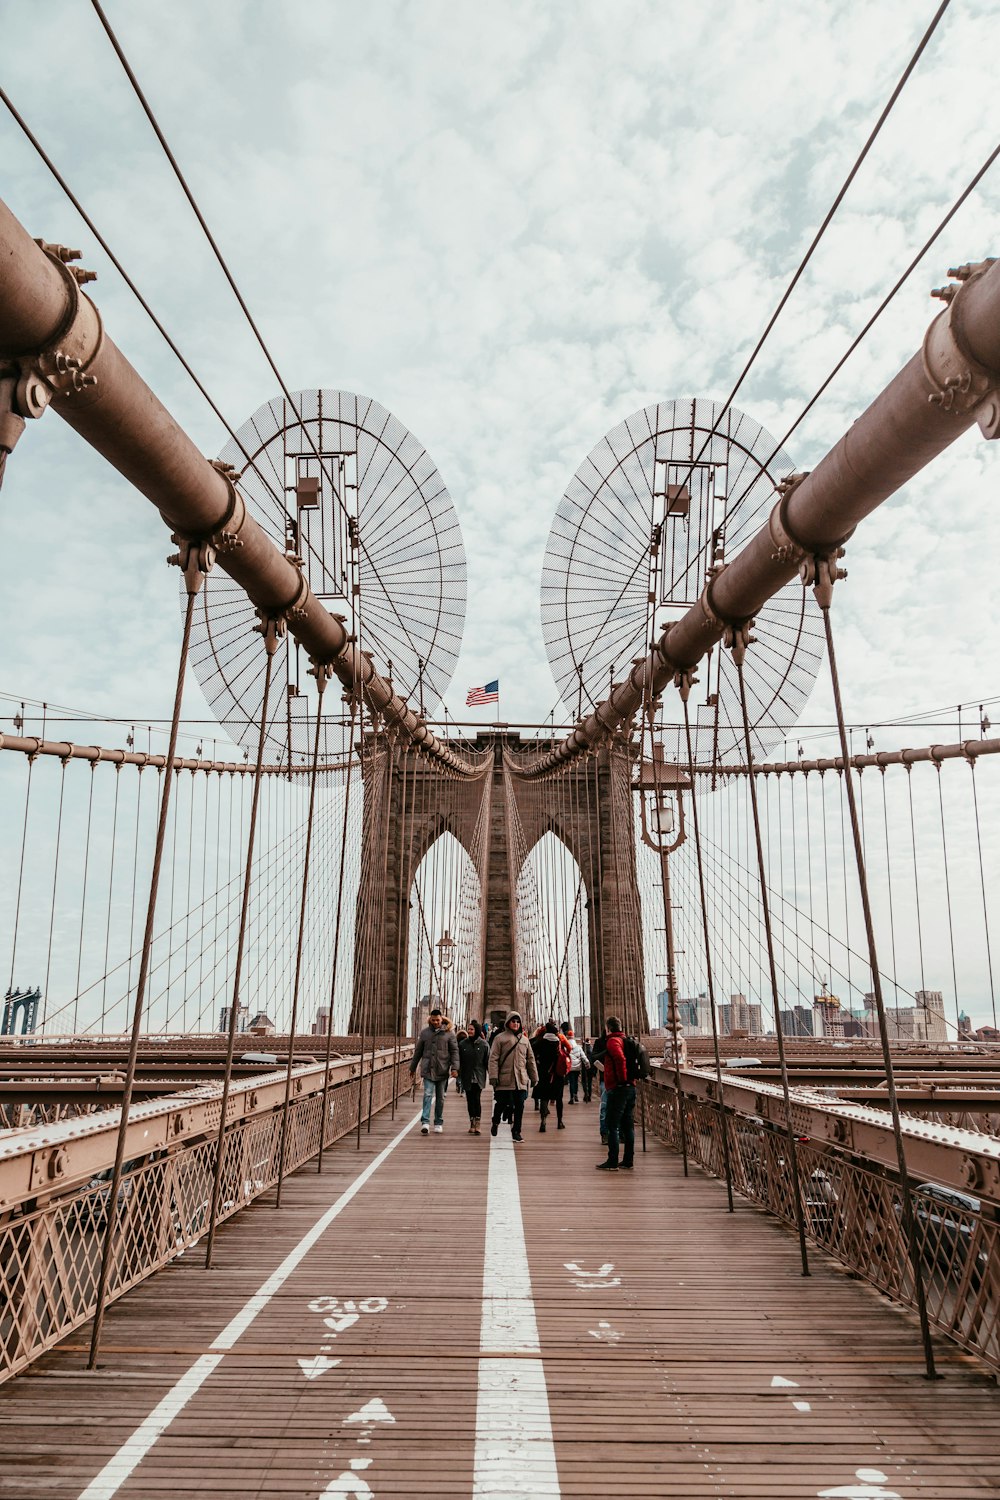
(853, 1210)
(50, 1253)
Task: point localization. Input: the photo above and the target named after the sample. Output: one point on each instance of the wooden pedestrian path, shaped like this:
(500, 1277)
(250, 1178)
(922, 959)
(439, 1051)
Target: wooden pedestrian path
(351, 1344)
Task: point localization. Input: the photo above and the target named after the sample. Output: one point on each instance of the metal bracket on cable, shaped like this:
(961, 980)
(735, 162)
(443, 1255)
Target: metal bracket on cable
(821, 572)
(227, 536)
(960, 383)
(684, 682)
(737, 638)
(195, 560)
(272, 628)
(322, 671)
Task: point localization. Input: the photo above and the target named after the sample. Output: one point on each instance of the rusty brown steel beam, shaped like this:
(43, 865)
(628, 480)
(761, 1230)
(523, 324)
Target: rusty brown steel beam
(53, 335)
(952, 382)
(945, 1154)
(50, 1158)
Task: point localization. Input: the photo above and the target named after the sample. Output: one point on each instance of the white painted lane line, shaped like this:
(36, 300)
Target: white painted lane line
(515, 1453)
(134, 1449)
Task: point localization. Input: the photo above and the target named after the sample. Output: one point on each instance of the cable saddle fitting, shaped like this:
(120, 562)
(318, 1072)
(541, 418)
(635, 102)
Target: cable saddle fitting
(195, 560)
(960, 383)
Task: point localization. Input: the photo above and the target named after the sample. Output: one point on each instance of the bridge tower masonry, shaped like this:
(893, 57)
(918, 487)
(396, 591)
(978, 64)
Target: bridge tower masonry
(409, 805)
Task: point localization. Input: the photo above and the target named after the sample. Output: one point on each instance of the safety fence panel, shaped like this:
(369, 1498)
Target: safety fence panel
(853, 1210)
(50, 1256)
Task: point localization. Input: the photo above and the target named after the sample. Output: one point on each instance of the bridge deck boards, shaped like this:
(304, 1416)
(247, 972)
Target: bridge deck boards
(659, 1372)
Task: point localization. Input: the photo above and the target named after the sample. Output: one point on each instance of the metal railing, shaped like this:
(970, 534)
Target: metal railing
(52, 1227)
(852, 1204)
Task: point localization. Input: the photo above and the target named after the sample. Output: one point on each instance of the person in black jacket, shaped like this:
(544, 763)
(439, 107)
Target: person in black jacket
(549, 1048)
(473, 1056)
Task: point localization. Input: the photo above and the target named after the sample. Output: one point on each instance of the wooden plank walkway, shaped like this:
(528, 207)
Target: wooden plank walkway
(679, 1351)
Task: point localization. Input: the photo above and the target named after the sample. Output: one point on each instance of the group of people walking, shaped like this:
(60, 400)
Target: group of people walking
(546, 1065)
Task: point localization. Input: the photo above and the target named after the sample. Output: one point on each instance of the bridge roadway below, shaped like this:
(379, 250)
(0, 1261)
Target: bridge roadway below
(631, 1338)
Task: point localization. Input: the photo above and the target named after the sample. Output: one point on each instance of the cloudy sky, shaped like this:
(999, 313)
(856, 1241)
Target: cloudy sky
(512, 225)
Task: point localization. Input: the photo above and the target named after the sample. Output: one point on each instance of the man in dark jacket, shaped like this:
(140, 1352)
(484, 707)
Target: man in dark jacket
(437, 1054)
(621, 1101)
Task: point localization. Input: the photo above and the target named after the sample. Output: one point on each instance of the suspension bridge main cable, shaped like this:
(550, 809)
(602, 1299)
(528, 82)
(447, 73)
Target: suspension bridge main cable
(796, 277)
(220, 258)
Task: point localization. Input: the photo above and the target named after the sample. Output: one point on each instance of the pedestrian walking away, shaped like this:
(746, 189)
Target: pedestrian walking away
(621, 1101)
(598, 1051)
(473, 1057)
(512, 1069)
(579, 1065)
(587, 1073)
(436, 1054)
(552, 1053)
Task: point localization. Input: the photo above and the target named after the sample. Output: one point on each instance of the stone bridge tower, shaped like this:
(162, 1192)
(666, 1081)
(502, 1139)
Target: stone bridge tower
(409, 803)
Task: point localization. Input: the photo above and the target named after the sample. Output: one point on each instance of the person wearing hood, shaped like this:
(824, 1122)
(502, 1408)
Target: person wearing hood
(512, 1069)
(473, 1055)
(436, 1053)
(552, 1054)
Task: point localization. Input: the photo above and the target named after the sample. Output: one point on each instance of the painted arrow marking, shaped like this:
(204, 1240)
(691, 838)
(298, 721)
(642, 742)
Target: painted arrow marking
(373, 1411)
(779, 1381)
(312, 1369)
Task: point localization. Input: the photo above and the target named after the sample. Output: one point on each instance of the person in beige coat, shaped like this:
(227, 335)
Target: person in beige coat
(512, 1072)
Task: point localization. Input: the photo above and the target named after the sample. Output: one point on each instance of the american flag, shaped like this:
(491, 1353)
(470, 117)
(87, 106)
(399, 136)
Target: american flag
(489, 693)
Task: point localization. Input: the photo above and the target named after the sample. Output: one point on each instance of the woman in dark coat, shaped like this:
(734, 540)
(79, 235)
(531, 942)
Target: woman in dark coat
(549, 1047)
(473, 1055)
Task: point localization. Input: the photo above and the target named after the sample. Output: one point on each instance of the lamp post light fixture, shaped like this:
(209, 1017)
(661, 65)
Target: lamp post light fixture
(446, 946)
(660, 784)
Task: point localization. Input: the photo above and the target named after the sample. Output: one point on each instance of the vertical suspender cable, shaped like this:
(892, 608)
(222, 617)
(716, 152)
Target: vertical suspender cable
(83, 900)
(55, 880)
(982, 887)
(271, 643)
(739, 647)
(909, 1220)
(195, 577)
(335, 967)
(684, 692)
(322, 677)
(947, 899)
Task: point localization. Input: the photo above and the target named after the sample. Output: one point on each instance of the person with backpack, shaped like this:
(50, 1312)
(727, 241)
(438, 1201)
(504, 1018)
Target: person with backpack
(620, 1090)
(552, 1052)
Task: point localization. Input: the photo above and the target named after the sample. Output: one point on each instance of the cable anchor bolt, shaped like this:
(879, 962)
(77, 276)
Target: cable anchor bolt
(195, 560)
(272, 628)
(322, 671)
(820, 572)
(737, 638)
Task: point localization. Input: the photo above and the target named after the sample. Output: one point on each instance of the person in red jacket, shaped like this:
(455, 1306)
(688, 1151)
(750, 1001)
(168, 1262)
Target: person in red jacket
(621, 1101)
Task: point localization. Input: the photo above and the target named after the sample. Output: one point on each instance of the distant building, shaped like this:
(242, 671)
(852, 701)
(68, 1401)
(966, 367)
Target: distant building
(930, 1018)
(740, 1015)
(922, 1022)
(694, 1015)
(798, 1021)
(964, 1024)
(322, 1021)
(242, 1013)
(261, 1025)
(828, 1015)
